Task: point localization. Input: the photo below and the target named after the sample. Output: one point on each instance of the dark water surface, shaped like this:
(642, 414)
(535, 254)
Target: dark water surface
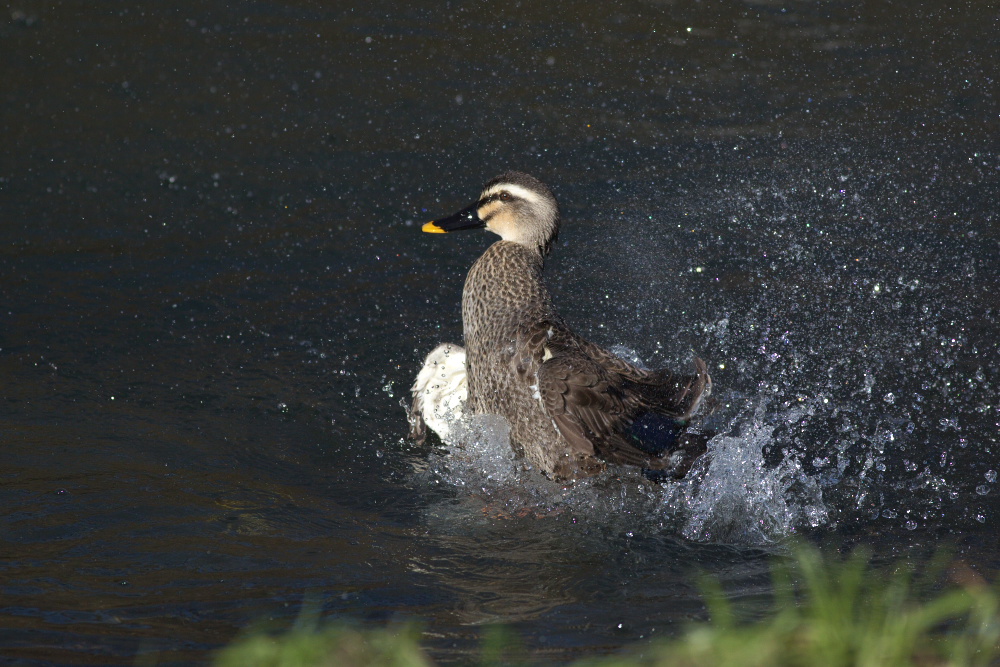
(215, 294)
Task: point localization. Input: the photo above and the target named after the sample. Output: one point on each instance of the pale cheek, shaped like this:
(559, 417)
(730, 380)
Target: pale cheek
(498, 225)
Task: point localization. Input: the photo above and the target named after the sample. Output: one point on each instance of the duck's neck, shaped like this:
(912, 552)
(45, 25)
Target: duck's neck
(503, 290)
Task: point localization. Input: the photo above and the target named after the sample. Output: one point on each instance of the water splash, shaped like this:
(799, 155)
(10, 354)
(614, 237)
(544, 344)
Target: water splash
(733, 495)
(858, 389)
(482, 456)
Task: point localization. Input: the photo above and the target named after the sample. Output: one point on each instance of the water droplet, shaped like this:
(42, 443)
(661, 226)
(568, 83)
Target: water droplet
(982, 489)
(991, 476)
(911, 525)
(890, 398)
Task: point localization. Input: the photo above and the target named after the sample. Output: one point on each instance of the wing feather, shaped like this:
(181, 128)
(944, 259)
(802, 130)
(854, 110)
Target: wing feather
(593, 396)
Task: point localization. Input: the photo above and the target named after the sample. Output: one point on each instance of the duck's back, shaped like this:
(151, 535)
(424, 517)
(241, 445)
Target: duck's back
(504, 297)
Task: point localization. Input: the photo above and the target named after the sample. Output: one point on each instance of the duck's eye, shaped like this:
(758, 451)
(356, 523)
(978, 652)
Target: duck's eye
(505, 196)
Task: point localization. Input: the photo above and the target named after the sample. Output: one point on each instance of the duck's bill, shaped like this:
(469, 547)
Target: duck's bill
(467, 218)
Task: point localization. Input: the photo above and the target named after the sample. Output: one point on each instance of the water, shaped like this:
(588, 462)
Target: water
(216, 294)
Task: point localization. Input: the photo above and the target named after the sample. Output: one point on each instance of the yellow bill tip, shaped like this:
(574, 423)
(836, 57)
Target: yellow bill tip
(432, 228)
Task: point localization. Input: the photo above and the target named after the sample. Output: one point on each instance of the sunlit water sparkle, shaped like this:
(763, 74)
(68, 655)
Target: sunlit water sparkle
(849, 386)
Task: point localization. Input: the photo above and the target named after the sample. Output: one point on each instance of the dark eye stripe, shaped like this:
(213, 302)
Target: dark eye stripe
(497, 196)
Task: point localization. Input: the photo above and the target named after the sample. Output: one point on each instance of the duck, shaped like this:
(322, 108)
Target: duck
(572, 406)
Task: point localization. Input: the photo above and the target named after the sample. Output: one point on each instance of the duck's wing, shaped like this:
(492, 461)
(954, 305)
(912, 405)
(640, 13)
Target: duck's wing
(581, 402)
(592, 396)
(676, 395)
(580, 395)
(591, 412)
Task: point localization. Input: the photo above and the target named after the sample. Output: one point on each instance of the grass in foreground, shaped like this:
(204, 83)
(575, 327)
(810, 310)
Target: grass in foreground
(826, 614)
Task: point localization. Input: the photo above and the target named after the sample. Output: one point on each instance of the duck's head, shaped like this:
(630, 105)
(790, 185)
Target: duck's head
(515, 206)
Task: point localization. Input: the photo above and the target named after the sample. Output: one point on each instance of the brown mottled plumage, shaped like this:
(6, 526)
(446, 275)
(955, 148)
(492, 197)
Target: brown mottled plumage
(569, 402)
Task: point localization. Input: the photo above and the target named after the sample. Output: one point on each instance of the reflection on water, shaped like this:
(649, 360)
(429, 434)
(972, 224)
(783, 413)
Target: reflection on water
(216, 294)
